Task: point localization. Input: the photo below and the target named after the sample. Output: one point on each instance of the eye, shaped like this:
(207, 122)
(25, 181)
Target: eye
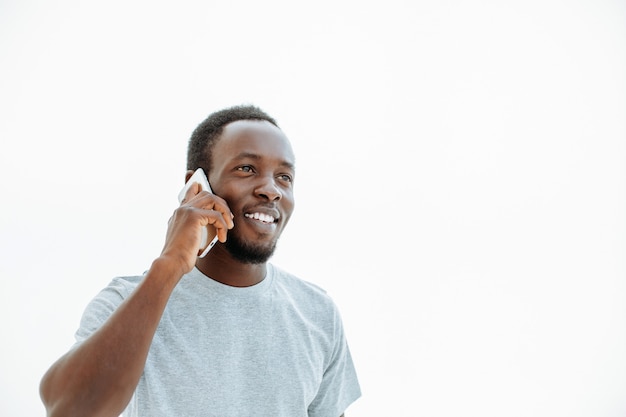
(286, 177)
(245, 168)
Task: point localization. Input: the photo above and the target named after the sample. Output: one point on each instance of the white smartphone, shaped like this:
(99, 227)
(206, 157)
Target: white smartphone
(209, 234)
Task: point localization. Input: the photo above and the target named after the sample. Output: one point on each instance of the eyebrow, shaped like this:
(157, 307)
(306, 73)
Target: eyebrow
(250, 155)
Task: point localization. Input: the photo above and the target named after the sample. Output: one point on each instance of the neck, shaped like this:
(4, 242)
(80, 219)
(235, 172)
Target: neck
(222, 267)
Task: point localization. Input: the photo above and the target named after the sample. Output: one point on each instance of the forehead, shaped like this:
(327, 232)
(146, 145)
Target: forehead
(255, 139)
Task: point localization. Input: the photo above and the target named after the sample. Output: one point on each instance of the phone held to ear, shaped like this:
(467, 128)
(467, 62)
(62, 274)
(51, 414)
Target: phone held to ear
(209, 234)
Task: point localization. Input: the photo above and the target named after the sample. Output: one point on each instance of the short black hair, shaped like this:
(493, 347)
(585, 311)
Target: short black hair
(199, 151)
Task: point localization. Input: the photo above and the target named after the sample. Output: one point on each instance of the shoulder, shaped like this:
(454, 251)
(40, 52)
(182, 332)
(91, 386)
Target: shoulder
(100, 308)
(114, 293)
(123, 285)
(287, 279)
(305, 293)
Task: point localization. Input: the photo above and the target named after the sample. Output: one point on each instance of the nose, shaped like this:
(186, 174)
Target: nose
(268, 190)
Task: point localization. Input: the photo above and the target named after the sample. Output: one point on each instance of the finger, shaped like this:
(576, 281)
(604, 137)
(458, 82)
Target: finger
(191, 192)
(222, 208)
(208, 201)
(221, 224)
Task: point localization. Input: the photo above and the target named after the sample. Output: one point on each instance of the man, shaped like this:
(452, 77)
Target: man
(225, 335)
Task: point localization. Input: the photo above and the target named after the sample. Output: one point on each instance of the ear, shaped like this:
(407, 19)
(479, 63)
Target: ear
(188, 175)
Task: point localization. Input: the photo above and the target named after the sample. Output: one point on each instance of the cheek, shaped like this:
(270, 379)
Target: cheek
(228, 194)
(287, 215)
(288, 203)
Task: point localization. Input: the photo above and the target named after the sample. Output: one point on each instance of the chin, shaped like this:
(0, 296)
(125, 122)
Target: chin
(247, 252)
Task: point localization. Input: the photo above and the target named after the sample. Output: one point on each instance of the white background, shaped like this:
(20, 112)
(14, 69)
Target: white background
(461, 186)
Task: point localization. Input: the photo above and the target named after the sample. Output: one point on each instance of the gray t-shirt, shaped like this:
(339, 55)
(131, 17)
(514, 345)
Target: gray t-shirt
(274, 349)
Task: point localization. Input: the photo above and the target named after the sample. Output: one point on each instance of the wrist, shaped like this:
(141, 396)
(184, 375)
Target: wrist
(169, 269)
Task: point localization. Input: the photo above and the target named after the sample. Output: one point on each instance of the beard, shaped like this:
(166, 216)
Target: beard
(247, 252)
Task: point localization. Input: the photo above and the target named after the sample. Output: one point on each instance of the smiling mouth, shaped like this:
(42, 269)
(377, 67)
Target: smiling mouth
(262, 217)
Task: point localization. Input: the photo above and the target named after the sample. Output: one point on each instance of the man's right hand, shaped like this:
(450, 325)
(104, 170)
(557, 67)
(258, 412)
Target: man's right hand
(198, 209)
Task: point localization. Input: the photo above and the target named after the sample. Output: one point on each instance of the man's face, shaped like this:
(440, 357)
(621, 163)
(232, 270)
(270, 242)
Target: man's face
(253, 170)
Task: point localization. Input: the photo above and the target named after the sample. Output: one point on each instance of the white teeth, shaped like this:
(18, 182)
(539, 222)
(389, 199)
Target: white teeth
(265, 218)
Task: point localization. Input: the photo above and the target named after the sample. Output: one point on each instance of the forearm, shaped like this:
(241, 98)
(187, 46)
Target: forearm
(99, 377)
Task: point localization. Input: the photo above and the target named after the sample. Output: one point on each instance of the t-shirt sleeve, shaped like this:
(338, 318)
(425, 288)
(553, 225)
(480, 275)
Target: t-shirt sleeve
(102, 306)
(339, 387)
